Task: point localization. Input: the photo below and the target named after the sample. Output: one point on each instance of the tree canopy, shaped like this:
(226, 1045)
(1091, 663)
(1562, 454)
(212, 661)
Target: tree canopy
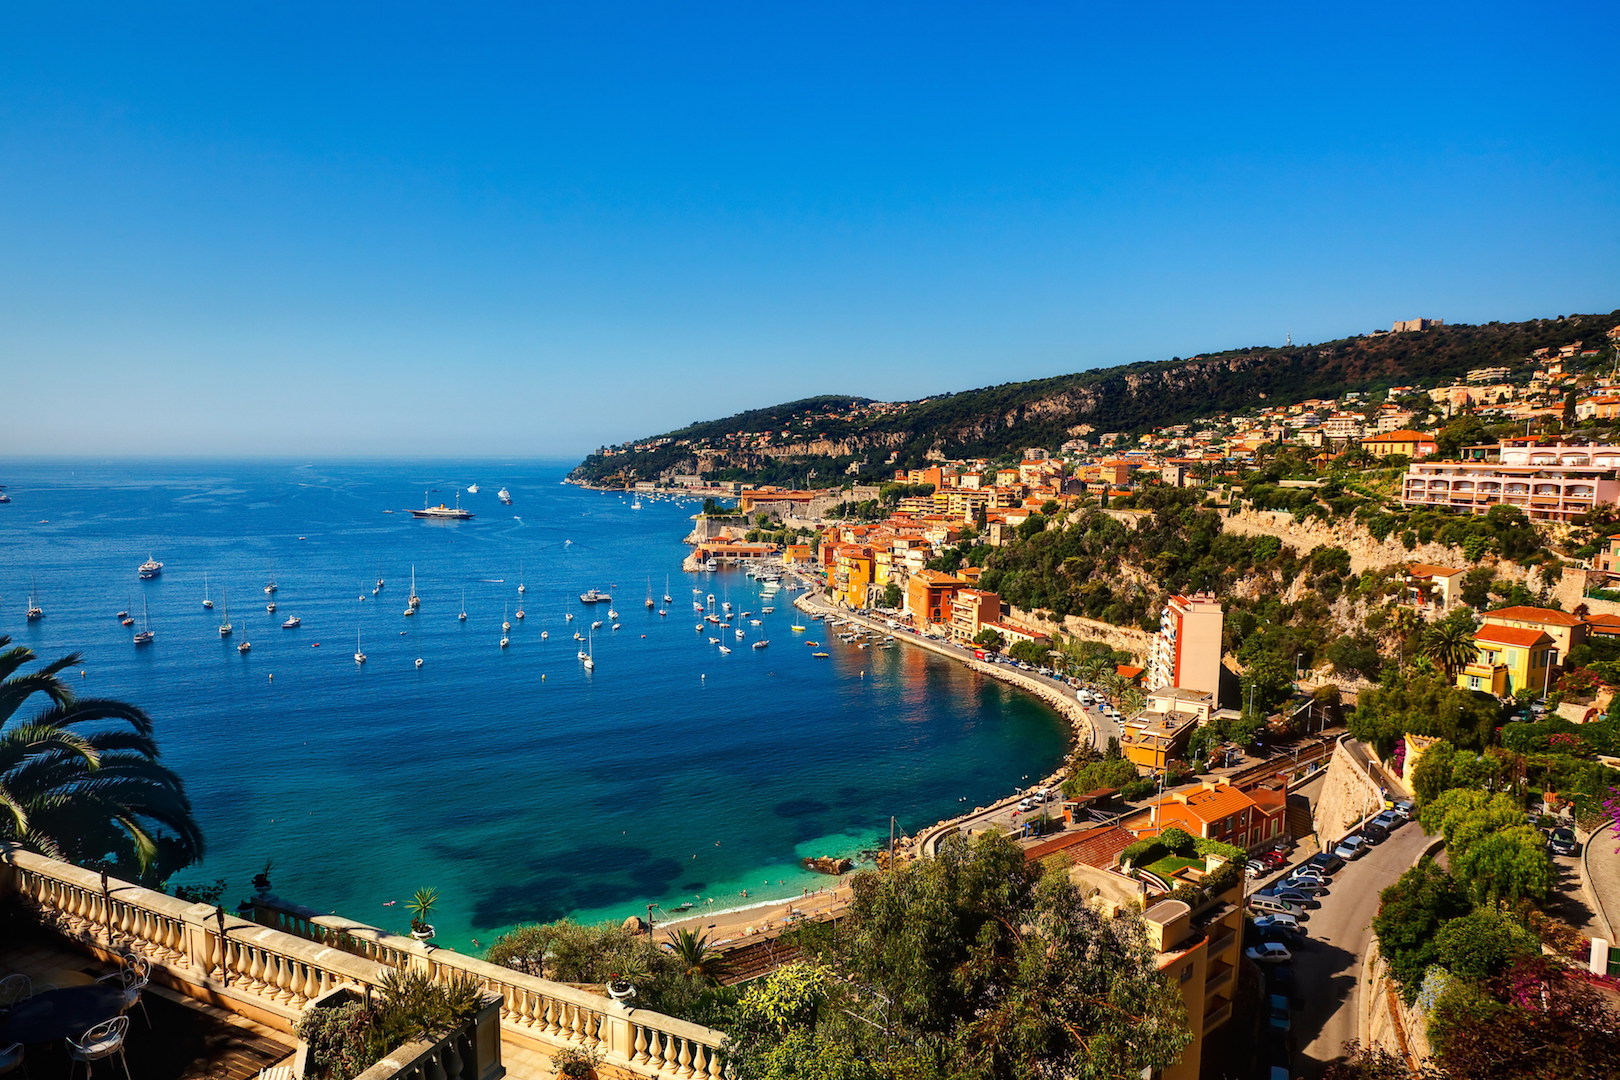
(973, 964)
(80, 778)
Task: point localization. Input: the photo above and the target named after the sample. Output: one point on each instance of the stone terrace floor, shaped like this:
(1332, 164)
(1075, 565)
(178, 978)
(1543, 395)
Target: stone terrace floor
(185, 1040)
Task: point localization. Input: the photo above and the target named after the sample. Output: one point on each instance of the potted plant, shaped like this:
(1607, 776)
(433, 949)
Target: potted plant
(421, 906)
(620, 988)
(578, 1062)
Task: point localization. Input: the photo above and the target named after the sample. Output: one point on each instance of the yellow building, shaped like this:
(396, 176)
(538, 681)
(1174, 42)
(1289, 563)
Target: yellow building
(1510, 659)
(1197, 943)
(851, 578)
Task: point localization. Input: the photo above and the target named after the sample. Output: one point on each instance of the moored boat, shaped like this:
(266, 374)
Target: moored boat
(442, 512)
(151, 568)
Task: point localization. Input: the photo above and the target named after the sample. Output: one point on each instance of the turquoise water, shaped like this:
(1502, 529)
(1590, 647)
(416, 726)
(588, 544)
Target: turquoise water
(521, 786)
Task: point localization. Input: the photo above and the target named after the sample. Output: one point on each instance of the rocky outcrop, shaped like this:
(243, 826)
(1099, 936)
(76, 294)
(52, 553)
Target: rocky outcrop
(1365, 552)
(1128, 638)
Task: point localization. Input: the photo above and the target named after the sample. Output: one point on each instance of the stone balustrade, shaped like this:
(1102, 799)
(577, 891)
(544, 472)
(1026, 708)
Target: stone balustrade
(272, 972)
(539, 1011)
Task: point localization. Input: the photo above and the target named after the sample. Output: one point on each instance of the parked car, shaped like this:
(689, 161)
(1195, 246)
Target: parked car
(1256, 868)
(1297, 897)
(1405, 808)
(1274, 920)
(1270, 905)
(1269, 952)
(1390, 820)
(1562, 842)
(1375, 834)
(1325, 861)
(1278, 1012)
(1307, 872)
(1274, 859)
(1351, 847)
(1294, 939)
(1309, 885)
(1280, 980)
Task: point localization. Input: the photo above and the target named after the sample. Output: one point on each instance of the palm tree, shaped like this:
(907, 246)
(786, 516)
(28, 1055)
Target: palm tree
(699, 961)
(80, 778)
(1450, 645)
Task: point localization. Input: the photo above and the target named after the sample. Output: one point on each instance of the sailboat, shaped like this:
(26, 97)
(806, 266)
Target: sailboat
(359, 657)
(208, 605)
(667, 598)
(415, 601)
(244, 645)
(522, 588)
(590, 653)
(35, 612)
(225, 625)
(270, 586)
(650, 604)
(506, 624)
(145, 636)
(463, 616)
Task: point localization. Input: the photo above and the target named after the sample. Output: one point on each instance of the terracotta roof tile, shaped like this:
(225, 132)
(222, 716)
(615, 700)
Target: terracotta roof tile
(1546, 616)
(1511, 635)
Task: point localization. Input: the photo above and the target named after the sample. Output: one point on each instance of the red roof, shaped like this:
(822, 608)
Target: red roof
(1089, 847)
(1511, 635)
(1545, 616)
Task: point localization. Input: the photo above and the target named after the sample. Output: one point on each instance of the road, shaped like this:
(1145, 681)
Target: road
(1328, 966)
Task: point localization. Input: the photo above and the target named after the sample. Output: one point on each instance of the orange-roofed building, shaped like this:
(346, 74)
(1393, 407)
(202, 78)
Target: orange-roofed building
(1510, 659)
(929, 594)
(1433, 590)
(1414, 444)
(1603, 625)
(1566, 630)
(1214, 810)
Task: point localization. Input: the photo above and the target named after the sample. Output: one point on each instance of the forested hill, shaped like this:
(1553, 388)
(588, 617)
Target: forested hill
(828, 434)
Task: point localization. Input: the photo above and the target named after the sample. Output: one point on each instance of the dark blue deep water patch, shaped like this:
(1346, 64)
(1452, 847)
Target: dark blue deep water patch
(520, 786)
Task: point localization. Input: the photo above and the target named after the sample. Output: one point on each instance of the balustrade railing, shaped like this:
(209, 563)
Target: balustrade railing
(279, 968)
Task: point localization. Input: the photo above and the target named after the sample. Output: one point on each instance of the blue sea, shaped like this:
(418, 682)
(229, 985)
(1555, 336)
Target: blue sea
(520, 785)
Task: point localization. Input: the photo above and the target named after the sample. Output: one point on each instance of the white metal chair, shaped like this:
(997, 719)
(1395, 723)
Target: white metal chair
(133, 978)
(11, 1057)
(101, 1042)
(13, 988)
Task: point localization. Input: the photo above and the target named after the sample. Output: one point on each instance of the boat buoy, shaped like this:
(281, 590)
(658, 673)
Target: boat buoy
(418, 661)
(272, 677)
(542, 678)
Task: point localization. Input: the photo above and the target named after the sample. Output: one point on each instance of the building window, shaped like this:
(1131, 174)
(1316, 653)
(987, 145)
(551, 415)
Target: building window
(1475, 683)
(1186, 972)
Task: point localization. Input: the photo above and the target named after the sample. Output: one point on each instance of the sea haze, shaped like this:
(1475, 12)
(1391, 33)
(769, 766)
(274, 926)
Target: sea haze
(521, 786)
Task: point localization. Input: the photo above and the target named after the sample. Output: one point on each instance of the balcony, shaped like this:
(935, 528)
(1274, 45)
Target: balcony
(1222, 976)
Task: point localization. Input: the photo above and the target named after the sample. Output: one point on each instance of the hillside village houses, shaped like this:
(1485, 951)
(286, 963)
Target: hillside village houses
(989, 502)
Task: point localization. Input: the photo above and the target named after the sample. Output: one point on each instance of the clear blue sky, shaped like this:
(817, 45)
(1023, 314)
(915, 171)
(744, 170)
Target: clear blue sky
(526, 229)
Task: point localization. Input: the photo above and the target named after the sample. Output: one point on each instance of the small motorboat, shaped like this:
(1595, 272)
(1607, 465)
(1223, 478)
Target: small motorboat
(292, 622)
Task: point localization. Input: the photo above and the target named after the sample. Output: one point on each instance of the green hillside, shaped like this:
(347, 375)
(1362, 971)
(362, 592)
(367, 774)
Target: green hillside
(828, 434)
